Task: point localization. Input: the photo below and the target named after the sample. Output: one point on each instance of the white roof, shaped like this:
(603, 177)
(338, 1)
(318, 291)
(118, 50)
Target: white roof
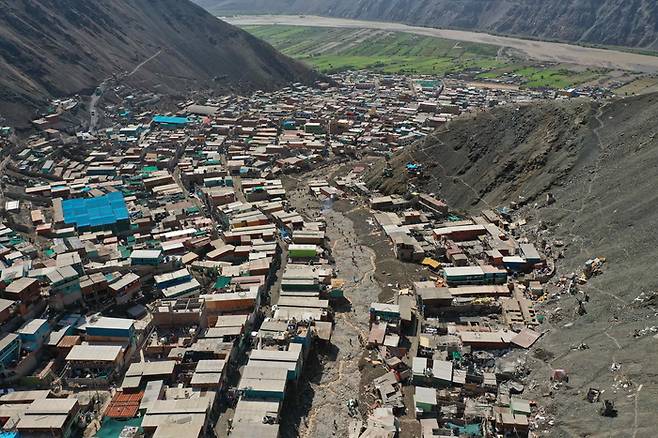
(19, 284)
(463, 270)
(111, 323)
(425, 395)
(31, 327)
(171, 275)
(210, 366)
(145, 254)
(188, 287)
(96, 353)
(151, 368)
(5, 304)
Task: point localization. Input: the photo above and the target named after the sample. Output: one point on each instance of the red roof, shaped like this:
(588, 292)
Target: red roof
(124, 405)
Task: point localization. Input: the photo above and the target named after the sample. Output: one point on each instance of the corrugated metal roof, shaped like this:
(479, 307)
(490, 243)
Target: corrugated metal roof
(124, 405)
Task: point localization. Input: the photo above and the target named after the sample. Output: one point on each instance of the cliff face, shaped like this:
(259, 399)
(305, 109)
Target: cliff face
(631, 23)
(62, 47)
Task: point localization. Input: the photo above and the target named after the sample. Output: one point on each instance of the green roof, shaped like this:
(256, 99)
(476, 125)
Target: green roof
(125, 252)
(222, 282)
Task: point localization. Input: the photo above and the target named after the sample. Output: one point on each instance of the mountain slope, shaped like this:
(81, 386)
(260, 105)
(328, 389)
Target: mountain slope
(631, 23)
(62, 47)
(599, 162)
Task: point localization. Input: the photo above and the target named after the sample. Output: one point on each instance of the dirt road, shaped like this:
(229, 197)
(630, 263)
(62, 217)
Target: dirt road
(340, 378)
(540, 50)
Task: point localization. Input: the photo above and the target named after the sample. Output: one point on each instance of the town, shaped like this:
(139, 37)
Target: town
(220, 267)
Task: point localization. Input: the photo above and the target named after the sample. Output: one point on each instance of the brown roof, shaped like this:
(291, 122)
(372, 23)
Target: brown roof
(124, 405)
(69, 341)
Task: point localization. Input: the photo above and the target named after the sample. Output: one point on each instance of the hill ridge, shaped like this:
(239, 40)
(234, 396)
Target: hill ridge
(63, 47)
(601, 22)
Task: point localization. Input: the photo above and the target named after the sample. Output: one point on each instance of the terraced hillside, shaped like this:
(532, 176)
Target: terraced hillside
(599, 163)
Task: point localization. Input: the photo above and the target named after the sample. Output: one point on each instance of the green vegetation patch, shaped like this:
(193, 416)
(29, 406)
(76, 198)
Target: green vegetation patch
(544, 77)
(332, 50)
(335, 49)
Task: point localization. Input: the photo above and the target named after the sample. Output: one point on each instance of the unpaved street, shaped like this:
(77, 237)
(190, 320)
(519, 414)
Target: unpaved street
(340, 379)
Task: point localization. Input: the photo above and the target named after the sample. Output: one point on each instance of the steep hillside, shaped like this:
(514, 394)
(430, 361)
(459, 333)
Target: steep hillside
(632, 23)
(62, 47)
(501, 155)
(600, 164)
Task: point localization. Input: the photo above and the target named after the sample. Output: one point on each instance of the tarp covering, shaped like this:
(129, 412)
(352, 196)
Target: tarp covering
(431, 263)
(93, 212)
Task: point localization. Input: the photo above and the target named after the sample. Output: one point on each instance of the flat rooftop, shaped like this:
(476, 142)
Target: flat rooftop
(93, 212)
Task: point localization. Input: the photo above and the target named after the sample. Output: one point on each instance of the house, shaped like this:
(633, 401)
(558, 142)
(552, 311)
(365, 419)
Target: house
(93, 364)
(139, 374)
(263, 383)
(64, 286)
(23, 290)
(109, 330)
(50, 417)
(187, 289)
(249, 416)
(474, 275)
(209, 374)
(125, 288)
(385, 312)
(425, 401)
(432, 298)
(7, 310)
(144, 257)
(10, 351)
(94, 288)
(433, 205)
(33, 334)
(170, 279)
(302, 251)
(166, 414)
(289, 360)
(170, 122)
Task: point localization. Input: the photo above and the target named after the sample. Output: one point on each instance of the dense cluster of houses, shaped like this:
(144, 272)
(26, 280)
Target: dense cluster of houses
(448, 334)
(159, 260)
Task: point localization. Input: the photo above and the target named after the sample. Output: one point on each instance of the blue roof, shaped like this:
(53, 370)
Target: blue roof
(171, 120)
(94, 212)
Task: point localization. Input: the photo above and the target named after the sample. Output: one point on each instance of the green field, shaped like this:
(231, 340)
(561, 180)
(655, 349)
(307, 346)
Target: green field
(536, 77)
(332, 50)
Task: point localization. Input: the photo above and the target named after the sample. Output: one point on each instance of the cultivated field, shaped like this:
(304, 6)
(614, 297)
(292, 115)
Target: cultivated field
(337, 49)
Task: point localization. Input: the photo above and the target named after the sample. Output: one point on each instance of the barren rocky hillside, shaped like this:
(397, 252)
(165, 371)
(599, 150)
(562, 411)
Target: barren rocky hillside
(61, 47)
(632, 23)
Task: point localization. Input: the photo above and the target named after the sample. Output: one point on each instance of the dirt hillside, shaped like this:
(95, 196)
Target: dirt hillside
(600, 162)
(62, 47)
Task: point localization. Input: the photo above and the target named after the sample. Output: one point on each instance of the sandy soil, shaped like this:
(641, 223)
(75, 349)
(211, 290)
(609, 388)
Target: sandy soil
(365, 259)
(540, 50)
(334, 376)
